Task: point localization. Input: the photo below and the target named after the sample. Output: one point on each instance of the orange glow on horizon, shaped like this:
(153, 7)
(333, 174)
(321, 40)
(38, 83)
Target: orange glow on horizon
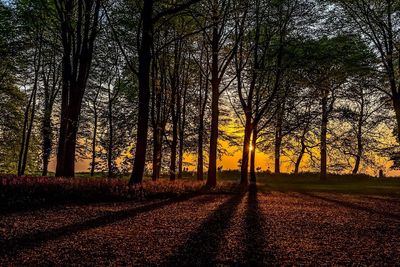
(231, 159)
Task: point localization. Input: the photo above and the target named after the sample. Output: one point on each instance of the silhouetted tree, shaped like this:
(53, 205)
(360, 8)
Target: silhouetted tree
(78, 29)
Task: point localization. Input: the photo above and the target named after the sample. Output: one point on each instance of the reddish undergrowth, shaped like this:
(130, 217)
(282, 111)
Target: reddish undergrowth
(20, 193)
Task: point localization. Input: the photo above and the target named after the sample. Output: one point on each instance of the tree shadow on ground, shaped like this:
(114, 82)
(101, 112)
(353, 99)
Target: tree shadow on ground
(354, 206)
(31, 240)
(256, 253)
(201, 249)
(50, 204)
(389, 199)
(203, 245)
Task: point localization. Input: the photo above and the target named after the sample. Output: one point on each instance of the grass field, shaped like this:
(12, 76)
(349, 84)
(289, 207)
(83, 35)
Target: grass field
(310, 182)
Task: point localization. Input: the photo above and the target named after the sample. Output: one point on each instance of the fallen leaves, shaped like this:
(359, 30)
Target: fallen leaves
(210, 229)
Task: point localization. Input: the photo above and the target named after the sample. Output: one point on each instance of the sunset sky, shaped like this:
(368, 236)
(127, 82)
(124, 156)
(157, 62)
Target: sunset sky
(230, 160)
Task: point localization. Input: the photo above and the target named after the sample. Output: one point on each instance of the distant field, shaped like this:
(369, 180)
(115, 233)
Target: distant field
(310, 182)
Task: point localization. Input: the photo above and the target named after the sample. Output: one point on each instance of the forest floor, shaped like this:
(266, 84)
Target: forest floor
(259, 227)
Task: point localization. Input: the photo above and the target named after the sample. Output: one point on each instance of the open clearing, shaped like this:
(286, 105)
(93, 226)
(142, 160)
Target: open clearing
(252, 228)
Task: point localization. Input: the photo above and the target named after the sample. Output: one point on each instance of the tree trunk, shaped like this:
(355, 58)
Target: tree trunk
(301, 154)
(68, 133)
(324, 128)
(23, 140)
(110, 135)
(175, 111)
(157, 153)
(278, 143)
(174, 144)
(180, 164)
(200, 142)
(29, 133)
(359, 139)
(27, 130)
(47, 139)
(93, 164)
(200, 159)
(144, 93)
(50, 93)
(47, 133)
(244, 169)
(277, 153)
(182, 125)
(156, 99)
(253, 178)
(215, 81)
(396, 105)
(358, 161)
(64, 118)
(212, 168)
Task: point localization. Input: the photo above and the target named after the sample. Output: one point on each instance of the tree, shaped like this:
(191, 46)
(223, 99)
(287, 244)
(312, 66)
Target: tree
(359, 110)
(33, 33)
(202, 104)
(222, 53)
(330, 62)
(78, 29)
(160, 108)
(148, 19)
(11, 98)
(378, 23)
(260, 69)
(94, 105)
(51, 80)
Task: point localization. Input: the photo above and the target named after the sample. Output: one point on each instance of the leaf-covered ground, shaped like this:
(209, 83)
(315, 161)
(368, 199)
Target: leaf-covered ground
(248, 229)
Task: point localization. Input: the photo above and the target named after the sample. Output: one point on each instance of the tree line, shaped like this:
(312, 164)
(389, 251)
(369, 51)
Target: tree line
(137, 85)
